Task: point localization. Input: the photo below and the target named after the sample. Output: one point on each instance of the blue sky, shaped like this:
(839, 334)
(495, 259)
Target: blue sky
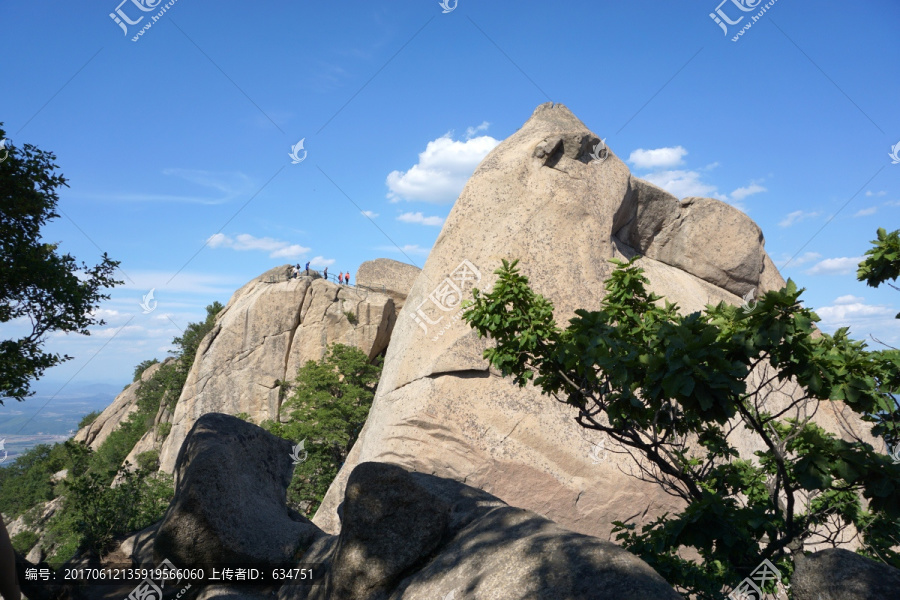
(176, 146)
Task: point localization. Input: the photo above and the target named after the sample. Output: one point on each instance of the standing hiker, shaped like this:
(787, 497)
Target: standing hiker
(347, 278)
(307, 268)
(341, 277)
(325, 274)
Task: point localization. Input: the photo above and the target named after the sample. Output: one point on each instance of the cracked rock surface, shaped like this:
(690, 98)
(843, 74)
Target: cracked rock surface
(271, 327)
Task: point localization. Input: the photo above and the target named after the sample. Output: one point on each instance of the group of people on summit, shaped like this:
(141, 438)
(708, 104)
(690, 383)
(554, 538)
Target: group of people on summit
(343, 278)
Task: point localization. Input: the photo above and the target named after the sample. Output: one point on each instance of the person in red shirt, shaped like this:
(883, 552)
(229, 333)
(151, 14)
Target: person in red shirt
(347, 278)
(341, 277)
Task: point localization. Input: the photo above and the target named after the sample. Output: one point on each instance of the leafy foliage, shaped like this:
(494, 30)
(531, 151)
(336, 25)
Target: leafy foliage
(327, 410)
(883, 262)
(88, 419)
(671, 390)
(351, 316)
(27, 480)
(143, 366)
(37, 284)
(93, 512)
(24, 541)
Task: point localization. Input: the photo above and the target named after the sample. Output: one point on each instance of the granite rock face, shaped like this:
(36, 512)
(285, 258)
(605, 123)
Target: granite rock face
(268, 330)
(542, 197)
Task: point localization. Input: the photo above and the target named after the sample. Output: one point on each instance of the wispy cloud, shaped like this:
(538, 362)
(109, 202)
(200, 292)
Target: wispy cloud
(471, 131)
(870, 193)
(796, 217)
(836, 266)
(407, 249)
(804, 258)
(742, 192)
(442, 170)
(417, 217)
(370, 214)
(218, 188)
(865, 212)
(245, 241)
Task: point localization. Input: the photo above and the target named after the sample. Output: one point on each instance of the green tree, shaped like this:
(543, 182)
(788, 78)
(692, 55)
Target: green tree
(88, 419)
(37, 284)
(143, 366)
(883, 262)
(327, 410)
(672, 390)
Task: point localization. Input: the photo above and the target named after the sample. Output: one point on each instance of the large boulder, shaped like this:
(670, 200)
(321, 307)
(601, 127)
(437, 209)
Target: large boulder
(411, 536)
(707, 238)
(389, 276)
(268, 330)
(540, 197)
(230, 503)
(838, 574)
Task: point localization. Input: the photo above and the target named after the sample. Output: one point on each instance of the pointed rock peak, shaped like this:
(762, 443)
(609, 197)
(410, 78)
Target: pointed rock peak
(557, 132)
(556, 115)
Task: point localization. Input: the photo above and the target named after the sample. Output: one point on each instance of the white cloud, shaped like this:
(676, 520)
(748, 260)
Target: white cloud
(796, 217)
(865, 212)
(893, 203)
(871, 193)
(442, 170)
(742, 192)
(658, 158)
(864, 320)
(245, 241)
(370, 214)
(836, 266)
(320, 261)
(417, 217)
(841, 314)
(682, 184)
